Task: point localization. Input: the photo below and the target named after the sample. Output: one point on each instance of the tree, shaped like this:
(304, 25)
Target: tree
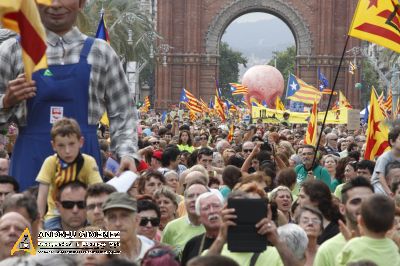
(229, 65)
(369, 78)
(285, 62)
(121, 16)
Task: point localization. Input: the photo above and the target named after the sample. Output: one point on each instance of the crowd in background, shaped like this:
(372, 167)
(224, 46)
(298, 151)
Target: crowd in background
(322, 211)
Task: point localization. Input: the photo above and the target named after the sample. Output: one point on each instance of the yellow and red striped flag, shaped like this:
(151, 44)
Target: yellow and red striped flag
(352, 68)
(230, 134)
(377, 132)
(311, 134)
(191, 101)
(388, 103)
(279, 104)
(300, 91)
(22, 16)
(204, 106)
(192, 116)
(397, 111)
(146, 105)
(378, 22)
(237, 89)
(219, 107)
(343, 102)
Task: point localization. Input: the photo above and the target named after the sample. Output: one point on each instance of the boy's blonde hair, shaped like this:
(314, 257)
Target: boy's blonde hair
(65, 127)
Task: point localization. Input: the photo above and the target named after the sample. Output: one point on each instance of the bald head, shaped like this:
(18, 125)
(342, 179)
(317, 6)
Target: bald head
(12, 225)
(196, 177)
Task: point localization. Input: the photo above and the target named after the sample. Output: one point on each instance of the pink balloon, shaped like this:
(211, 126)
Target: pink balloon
(264, 83)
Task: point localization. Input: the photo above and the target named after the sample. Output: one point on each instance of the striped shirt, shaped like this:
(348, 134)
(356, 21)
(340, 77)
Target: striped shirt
(108, 89)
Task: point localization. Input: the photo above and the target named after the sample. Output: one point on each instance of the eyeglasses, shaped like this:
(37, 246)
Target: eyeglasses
(247, 150)
(306, 220)
(67, 204)
(159, 252)
(203, 138)
(153, 220)
(334, 139)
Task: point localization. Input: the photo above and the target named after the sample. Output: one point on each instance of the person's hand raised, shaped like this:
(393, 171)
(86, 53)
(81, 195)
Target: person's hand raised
(18, 90)
(267, 227)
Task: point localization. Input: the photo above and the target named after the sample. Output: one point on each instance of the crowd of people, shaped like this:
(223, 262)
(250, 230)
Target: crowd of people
(325, 205)
(336, 209)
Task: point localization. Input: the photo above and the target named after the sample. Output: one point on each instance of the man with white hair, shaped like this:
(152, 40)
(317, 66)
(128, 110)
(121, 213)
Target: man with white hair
(332, 144)
(177, 232)
(208, 208)
(222, 145)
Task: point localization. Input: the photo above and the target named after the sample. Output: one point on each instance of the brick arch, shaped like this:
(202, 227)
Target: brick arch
(279, 8)
(194, 29)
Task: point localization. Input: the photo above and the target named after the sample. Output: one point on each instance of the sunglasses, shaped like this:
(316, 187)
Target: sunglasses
(155, 142)
(159, 252)
(67, 204)
(247, 150)
(153, 220)
(203, 138)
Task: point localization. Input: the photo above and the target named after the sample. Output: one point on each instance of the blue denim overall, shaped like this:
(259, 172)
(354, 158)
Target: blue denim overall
(62, 91)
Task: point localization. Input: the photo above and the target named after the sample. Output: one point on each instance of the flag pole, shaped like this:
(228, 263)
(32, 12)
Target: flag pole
(330, 99)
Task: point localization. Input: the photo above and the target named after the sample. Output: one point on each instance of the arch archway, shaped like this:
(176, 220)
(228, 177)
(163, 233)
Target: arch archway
(278, 8)
(194, 30)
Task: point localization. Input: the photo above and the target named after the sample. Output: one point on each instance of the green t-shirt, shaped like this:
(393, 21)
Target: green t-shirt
(328, 251)
(383, 252)
(185, 147)
(225, 191)
(177, 232)
(338, 191)
(319, 172)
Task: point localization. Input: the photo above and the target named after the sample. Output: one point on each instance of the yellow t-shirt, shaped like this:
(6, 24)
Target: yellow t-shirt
(89, 174)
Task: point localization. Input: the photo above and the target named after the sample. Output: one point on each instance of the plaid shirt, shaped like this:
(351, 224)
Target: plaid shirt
(108, 89)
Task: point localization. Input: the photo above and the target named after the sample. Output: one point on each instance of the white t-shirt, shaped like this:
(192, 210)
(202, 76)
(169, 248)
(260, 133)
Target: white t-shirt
(146, 244)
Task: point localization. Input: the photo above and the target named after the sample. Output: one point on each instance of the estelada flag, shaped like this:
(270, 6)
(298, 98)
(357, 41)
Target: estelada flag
(377, 21)
(377, 132)
(22, 16)
(311, 134)
(102, 32)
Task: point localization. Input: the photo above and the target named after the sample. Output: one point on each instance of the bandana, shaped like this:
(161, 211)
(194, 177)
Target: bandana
(67, 172)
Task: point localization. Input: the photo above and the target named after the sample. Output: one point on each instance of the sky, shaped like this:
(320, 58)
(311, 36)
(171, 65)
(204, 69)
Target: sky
(253, 17)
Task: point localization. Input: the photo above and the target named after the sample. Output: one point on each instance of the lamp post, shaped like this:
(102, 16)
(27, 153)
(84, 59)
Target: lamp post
(133, 69)
(164, 50)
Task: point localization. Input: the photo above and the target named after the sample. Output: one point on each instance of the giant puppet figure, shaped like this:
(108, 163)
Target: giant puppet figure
(84, 78)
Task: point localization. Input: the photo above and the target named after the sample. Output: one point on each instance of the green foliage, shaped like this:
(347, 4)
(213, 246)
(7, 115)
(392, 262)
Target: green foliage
(121, 16)
(369, 78)
(229, 66)
(285, 62)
